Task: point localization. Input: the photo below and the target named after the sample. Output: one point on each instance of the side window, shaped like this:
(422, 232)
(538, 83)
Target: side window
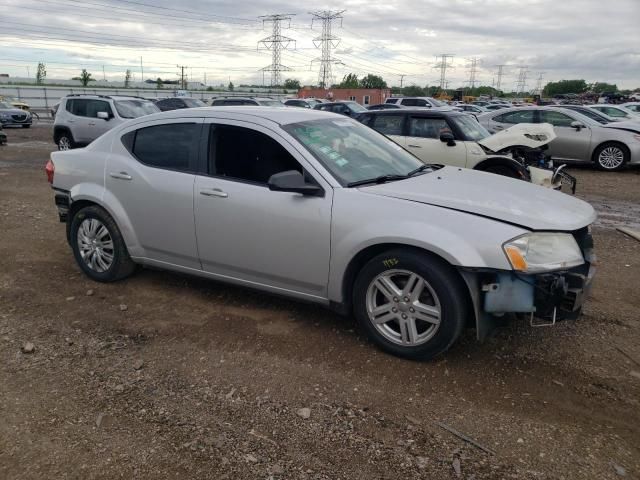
(388, 124)
(614, 112)
(95, 106)
(339, 109)
(79, 107)
(172, 146)
(390, 100)
(524, 116)
(427, 127)
(409, 102)
(247, 155)
(422, 103)
(557, 119)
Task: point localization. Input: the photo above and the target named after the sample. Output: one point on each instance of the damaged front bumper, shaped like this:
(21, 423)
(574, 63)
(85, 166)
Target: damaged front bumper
(544, 297)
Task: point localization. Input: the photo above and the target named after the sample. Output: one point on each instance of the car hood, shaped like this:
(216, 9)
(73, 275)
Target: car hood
(629, 125)
(493, 196)
(533, 135)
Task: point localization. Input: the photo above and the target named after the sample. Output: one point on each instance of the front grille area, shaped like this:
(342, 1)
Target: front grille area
(19, 117)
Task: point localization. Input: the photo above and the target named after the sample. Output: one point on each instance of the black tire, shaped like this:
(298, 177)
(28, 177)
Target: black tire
(122, 266)
(67, 138)
(26, 126)
(447, 284)
(503, 170)
(611, 145)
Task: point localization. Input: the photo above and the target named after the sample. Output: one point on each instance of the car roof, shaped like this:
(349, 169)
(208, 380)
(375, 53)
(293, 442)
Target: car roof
(105, 97)
(279, 115)
(418, 111)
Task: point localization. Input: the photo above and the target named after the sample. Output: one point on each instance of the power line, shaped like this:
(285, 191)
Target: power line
(326, 41)
(276, 43)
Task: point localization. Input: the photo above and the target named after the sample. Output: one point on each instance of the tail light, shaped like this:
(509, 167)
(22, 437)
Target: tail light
(50, 169)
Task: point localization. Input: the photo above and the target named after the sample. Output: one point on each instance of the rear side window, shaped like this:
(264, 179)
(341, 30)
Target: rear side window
(521, 116)
(415, 102)
(557, 119)
(83, 107)
(388, 124)
(172, 147)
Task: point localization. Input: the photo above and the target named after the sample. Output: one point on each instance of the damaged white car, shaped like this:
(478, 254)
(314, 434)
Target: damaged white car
(457, 139)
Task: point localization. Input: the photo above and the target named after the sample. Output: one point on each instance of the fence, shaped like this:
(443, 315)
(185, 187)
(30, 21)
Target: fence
(42, 99)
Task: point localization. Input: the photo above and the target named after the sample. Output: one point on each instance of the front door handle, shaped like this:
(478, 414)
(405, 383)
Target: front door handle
(214, 192)
(414, 146)
(92, 124)
(120, 175)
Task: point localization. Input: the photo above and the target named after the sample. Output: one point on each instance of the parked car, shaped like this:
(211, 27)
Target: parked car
(15, 103)
(10, 115)
(82, 118)
(467, 107)
(456, 139)
(495, 106)
(616, 111)
(631, 106)
(344, 108)
(426, 102)
(301, 102)
(445, 248)
(239, 101)
(384, 106)
(595, 115)
(578, 138)
(174, 103)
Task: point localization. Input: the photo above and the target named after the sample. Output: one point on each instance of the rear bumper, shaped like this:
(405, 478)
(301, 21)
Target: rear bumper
(63, 202)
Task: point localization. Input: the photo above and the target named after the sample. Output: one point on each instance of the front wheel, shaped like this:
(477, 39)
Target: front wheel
(611, 157)
(98, 246)
(410, 304)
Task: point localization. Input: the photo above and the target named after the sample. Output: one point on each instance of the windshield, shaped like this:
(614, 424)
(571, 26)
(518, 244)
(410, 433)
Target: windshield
(470, 128)
(270, 103)
(437, 103)
(135, 108)
(351, 151)
(194, 102)
(356, 107)
(4, 105)
(593, 115)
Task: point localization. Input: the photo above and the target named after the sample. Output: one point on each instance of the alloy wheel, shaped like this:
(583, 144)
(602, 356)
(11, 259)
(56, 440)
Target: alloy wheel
(64, 144)
(611, 158)
(403, 307)
(95, 245)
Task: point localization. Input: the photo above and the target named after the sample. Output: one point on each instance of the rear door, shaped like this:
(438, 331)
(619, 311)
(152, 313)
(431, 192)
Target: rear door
(254, 235)
(151, 173)
(423, 140)
(571, 143)
(79, 120)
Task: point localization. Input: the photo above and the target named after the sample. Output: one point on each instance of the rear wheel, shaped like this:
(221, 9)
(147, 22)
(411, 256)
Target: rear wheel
(410, 304)
(65, 142)
(98, 246)
(611, 156)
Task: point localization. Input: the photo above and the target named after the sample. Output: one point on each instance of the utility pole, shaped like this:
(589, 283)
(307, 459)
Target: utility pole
(401, 79)
(182, 82)
(276, 43)
(446, 61)
(104, 75)
(473, 70)
(141, 70)
(326, 41)
(500, 75)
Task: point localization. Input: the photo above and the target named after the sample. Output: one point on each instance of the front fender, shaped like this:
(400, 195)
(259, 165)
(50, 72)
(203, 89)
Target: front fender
(461, 239)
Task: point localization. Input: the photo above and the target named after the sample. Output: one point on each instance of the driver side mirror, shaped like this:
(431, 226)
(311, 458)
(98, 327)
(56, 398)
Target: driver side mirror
(577, 125)
(293, 181)
(447, 137)
(103, 115)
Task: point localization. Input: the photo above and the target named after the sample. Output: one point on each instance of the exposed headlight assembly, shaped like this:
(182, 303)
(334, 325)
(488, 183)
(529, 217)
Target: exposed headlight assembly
(543, 252)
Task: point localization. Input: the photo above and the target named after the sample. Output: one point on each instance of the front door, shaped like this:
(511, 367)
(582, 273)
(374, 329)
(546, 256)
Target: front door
(423, 140)
(249, 233)
(151, 173)
(570, 143)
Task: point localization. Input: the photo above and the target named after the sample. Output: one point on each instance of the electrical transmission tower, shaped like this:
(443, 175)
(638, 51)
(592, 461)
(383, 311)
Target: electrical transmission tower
(446, 61)
(538, 88)
(521, 84)
(473, 71)
(500, 75)
(326, 41)
(276, 43)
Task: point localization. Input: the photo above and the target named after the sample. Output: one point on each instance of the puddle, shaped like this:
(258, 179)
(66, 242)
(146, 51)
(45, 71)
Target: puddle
(615, 213)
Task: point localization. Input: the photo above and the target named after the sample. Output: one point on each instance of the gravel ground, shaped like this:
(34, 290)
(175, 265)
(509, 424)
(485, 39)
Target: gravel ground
(166, 376)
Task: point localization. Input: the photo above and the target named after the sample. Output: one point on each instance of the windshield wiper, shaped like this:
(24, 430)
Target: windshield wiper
(380, 179)
(421, 168)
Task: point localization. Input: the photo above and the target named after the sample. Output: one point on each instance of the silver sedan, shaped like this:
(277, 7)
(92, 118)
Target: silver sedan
(579, 138)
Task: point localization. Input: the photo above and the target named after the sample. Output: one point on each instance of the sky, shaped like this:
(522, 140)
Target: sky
(398, 40)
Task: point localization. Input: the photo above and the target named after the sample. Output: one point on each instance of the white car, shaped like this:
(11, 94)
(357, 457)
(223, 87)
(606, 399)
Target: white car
(616, 111)
(631, 106)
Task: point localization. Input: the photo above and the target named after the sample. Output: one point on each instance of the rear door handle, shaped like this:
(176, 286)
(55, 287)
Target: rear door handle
(92, 124)
(414, 146)
(120, 175)
(214, 192)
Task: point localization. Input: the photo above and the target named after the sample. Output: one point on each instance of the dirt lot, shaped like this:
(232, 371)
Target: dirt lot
(164, 376)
